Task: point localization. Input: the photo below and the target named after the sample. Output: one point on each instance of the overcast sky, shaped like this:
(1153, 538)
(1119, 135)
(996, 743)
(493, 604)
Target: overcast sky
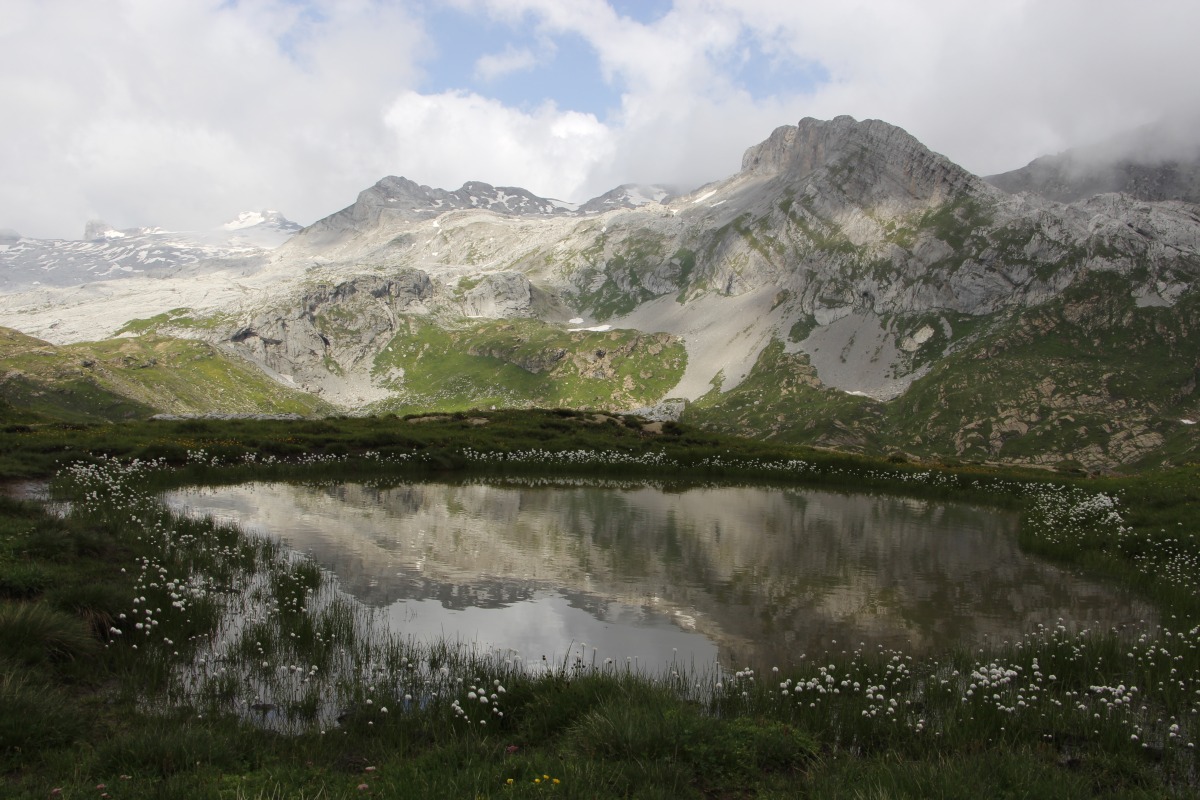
(182, 113)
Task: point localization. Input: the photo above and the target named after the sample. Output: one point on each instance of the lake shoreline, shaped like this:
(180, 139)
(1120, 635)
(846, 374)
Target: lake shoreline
(807, 731)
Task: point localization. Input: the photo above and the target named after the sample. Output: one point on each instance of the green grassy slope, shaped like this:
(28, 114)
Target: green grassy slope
(782, 399)
(522, 362)
(135, 377)
(1088, 378)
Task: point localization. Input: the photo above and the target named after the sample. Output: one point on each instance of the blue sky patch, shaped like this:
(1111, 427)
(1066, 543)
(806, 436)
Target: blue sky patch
(646, 12)
(764, 74)
(566, 71)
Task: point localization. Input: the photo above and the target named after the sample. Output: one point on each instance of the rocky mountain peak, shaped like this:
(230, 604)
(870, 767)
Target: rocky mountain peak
(868, 161)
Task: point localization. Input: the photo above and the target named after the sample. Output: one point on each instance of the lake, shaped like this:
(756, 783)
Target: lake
(756, 576)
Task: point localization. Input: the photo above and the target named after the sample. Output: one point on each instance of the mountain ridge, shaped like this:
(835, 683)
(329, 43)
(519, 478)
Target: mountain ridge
(1154, 162)
(842, 278)
(106, 253)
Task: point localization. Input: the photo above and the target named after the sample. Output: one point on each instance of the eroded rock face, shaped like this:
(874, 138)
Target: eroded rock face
(889, 165)
(500, 295)
(326, 342)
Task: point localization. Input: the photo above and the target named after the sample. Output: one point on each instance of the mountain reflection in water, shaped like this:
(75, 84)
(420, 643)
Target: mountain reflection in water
(746, 575)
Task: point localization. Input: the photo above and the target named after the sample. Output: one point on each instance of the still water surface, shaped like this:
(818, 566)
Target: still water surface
(742, 575)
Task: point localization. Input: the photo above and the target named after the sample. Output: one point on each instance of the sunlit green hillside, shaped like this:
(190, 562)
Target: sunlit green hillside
(135, 377)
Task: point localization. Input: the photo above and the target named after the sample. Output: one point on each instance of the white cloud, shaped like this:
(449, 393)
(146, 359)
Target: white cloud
(183, 113)
(491, 66)
(990, 85)
(451, 138)
(993, 85)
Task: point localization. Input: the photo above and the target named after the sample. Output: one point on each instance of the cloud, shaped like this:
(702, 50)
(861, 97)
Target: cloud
(993, 85)
(492, 66)
(450, 138)
(184, 113)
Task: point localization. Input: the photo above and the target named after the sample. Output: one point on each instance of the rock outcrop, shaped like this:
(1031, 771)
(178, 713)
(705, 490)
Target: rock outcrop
(325, 344)
(500, 295)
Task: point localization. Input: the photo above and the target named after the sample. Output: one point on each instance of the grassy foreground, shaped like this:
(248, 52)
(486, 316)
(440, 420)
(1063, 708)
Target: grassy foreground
(143, 655)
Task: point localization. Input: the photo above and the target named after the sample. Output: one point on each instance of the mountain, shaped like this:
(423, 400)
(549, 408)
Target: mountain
(1155, 162)
(106, 253)
(847, 288)
(627, 195)
(266, 229)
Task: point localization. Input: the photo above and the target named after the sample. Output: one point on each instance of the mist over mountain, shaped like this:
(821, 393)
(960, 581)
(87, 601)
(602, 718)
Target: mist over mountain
(847, 288)
(1154, 162)
(105, 253)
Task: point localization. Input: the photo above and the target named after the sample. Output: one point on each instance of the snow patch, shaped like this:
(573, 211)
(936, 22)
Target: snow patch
(704, 196)
(595, 329)
(638, 197)
(247, 219)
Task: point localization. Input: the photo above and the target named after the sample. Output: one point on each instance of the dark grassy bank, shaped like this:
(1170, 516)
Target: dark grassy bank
(86, 714)
(32, 450)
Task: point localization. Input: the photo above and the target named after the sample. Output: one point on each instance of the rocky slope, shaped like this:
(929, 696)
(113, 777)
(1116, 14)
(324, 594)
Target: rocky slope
(1155, 162)
(847, 287)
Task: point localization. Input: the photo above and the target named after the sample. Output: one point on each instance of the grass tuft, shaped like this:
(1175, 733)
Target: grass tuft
(32, 634)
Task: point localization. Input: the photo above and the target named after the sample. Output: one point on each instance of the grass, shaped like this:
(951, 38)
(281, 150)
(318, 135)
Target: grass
(133, 378)
(1087, 380)
(782, 399)
(246, 657)
(522, 363)
(33, 634)
(175, 318)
